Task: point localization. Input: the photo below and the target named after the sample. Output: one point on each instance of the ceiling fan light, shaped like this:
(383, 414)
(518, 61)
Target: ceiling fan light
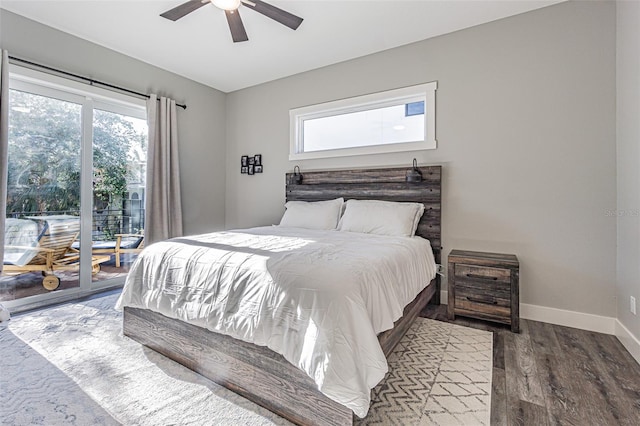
(226, 4)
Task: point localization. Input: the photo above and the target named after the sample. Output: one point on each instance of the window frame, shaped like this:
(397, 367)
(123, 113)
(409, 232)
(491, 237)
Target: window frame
(425, 92)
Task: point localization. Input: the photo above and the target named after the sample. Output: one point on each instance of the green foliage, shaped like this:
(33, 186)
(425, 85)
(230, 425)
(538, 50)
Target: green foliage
(112, 138)
(45, 153)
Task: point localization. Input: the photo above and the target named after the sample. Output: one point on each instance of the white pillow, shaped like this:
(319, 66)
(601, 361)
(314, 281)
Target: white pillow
(381, 217)
(312, 214)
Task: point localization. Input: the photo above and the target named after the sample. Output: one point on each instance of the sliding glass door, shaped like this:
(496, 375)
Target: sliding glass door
(75, 204)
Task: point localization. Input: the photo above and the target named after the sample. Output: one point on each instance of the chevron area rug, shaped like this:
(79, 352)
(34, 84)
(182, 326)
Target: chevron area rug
(70, 365)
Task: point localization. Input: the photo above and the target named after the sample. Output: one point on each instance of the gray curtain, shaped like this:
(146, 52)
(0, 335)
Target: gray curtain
(4, 143)
(163, 209)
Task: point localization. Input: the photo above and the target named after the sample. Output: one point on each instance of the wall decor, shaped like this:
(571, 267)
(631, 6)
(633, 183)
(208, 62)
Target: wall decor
(251, 164)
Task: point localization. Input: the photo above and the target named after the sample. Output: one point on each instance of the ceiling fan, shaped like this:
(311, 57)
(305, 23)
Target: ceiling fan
(230, 8)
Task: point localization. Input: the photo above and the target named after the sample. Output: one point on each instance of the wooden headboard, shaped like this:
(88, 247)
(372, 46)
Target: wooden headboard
(377, 184)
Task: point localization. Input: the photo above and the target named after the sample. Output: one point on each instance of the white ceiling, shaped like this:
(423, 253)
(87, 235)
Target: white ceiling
(199, 45)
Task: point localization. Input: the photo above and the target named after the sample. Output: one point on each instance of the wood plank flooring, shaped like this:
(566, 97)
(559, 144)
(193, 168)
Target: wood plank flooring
(553, 375)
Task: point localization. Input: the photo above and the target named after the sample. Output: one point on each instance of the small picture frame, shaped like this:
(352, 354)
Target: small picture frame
(258, 160)
(252, 161)
(244, 160)
(244, 169)
(258, 168)
(250, 169)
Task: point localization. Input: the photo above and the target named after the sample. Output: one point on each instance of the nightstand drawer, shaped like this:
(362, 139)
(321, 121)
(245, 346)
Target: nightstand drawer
(483, 273)
(499, 295)
(483, 311)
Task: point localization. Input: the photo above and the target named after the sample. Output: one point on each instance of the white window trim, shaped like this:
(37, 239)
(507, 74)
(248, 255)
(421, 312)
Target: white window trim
(297, 117)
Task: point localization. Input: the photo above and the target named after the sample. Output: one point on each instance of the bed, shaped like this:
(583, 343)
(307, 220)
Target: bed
(255, 370)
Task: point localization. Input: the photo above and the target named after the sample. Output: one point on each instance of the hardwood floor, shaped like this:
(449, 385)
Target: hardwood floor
(553, 375)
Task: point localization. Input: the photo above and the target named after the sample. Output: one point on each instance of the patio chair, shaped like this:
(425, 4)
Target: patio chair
(128, 243)
(124, 243)
(51, 251)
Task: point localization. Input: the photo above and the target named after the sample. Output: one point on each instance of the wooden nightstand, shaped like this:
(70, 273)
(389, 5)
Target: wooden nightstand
(484, 286)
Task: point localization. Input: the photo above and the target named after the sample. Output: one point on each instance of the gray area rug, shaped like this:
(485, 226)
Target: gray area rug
(70, 365)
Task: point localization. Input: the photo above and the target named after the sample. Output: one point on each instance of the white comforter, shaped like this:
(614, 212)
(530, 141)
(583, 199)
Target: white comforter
(319, 298)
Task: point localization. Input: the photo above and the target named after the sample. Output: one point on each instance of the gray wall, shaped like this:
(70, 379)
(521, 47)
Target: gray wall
(628, 126)
(201, 127)
(526, 134)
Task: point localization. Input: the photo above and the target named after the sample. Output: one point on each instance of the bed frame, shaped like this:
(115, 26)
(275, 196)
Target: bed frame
(256, 372)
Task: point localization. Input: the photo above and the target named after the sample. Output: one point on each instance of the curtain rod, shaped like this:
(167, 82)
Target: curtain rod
(90, 81)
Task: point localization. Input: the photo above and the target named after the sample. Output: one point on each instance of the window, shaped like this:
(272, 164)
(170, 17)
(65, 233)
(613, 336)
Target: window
(392, 121)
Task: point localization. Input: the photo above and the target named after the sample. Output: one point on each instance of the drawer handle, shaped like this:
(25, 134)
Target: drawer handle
(482, 277)
(471, 299)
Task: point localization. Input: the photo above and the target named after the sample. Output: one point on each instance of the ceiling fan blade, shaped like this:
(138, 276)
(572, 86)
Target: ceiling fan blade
(184, 9)
(285, 18)
(236, 26)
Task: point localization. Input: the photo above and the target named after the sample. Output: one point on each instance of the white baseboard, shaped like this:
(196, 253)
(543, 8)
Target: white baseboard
(628, 340)
(590, 322)
(555, 316)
